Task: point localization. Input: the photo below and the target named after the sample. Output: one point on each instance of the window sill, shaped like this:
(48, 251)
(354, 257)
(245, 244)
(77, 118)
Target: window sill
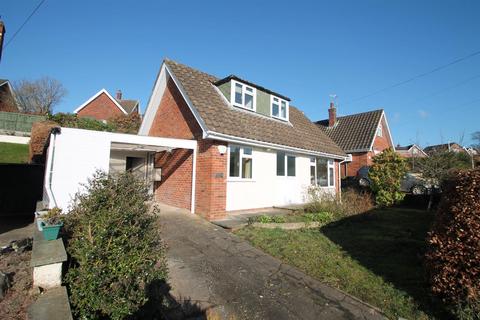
(240, 180)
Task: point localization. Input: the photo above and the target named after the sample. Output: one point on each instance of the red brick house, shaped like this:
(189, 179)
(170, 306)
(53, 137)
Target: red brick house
(360, 135)
(102, 106)
(445, 147)
(254, 149)
(7, 97)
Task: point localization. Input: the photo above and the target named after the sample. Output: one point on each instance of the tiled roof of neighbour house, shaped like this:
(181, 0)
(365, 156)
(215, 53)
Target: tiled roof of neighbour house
(441, 147)
(355, 132)
(128, 105)
(220, 117)
(399, 148)
(3, 81)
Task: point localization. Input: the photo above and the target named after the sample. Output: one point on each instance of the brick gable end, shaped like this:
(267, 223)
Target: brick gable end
(100, 108)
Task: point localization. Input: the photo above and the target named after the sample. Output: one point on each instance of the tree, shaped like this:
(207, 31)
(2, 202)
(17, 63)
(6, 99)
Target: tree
(476, 137)
(39, 96)
(386, 175)
(437, 167)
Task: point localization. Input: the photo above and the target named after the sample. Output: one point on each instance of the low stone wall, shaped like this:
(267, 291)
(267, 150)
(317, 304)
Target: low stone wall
(47, 262)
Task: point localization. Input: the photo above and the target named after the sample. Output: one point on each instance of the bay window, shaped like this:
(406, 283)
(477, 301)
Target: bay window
(240, 162)
(243, 96)
(322, 172)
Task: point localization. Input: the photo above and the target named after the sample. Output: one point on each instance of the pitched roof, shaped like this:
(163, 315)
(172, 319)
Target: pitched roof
(355, 132)
(400, 148)
(218, 116)
(3, 81)
(128, 105)
(441, 147)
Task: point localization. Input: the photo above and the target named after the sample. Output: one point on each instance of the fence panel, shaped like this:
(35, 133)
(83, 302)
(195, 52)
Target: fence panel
(19, 122)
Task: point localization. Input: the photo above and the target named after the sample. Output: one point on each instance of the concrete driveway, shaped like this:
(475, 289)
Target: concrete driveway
(218, 271)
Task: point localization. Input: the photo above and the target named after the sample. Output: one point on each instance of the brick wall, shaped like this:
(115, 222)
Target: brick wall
(383, 142)
(175, 120)
(359, 160)
(211, 188)
(100, 108)
(175, 189)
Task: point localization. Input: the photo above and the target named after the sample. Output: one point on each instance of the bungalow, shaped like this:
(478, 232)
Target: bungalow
(102, 106)
(255, 149)
(411, 151)
(450, 147)
(360, 135)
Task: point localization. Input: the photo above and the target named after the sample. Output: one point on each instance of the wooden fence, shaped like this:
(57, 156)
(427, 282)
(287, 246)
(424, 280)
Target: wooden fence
(18, 122)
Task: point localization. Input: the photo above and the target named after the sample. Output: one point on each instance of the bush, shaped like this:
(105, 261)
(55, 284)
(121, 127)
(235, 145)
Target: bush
(351, 203)
(386, 174)
(453, 256)
(114, 246)
(127, 124)
(70, 120)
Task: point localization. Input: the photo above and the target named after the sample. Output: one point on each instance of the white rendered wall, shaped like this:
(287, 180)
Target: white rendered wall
(266, 189)
(77, 155)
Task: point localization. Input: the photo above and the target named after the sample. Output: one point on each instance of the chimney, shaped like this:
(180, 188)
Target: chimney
(119, 94)
(2, 36)
(332, 115)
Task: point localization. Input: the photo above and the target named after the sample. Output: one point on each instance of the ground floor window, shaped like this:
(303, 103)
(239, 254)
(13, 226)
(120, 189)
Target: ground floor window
(286, 164)
(322, 172)
(240, 162)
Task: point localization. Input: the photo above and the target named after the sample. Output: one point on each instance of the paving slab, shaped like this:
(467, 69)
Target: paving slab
(218, 271)
(52, 305)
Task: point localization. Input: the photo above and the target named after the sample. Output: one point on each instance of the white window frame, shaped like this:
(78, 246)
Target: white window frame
(280, 100)
(242, 105)
(286, 155)
(242, 156)
(380, 131)
(330, 165)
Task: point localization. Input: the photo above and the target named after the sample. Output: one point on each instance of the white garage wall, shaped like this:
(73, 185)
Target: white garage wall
(77, 155)
(266, 189)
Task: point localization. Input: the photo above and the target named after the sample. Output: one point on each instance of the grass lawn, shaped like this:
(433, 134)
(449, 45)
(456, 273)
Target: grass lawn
(13, 153)
(376, 257)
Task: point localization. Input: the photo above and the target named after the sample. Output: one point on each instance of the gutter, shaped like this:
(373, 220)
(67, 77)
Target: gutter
(228, 138)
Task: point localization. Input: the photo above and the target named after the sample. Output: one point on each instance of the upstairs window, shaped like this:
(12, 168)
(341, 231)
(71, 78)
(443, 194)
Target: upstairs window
(241, 161)
(243, 96)
(285, 164)
(380, 131)
(279, 108)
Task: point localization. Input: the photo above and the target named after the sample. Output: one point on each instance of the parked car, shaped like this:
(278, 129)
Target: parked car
(412, 182)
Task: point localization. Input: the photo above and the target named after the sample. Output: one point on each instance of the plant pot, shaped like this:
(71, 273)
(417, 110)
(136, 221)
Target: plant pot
(51, 232)
(40, 222)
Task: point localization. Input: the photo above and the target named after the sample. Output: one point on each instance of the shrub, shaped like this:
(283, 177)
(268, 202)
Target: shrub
(127, 124)
(352, 202)
(70, 120)
(386, 174)
(114, 246)
(453, 256)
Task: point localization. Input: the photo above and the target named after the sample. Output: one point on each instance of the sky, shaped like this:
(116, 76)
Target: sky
(306, 50)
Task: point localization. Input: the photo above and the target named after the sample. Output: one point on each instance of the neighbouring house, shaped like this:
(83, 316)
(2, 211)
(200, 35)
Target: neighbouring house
(360, 135)
(7, 97)
(411, 151)
(102, 106)
(450, 147)
(254, 148)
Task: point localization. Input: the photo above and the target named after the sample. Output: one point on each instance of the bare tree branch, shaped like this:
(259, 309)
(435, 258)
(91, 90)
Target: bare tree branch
(39, 96)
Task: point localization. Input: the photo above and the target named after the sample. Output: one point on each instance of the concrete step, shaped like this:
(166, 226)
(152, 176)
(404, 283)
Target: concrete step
(51, 305)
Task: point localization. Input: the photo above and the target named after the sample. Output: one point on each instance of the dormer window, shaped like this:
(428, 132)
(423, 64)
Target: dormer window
(243, 96)
(279, 108)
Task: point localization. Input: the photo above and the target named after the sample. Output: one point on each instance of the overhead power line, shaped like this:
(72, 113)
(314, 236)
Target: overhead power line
(24, 23)
(421, 75)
